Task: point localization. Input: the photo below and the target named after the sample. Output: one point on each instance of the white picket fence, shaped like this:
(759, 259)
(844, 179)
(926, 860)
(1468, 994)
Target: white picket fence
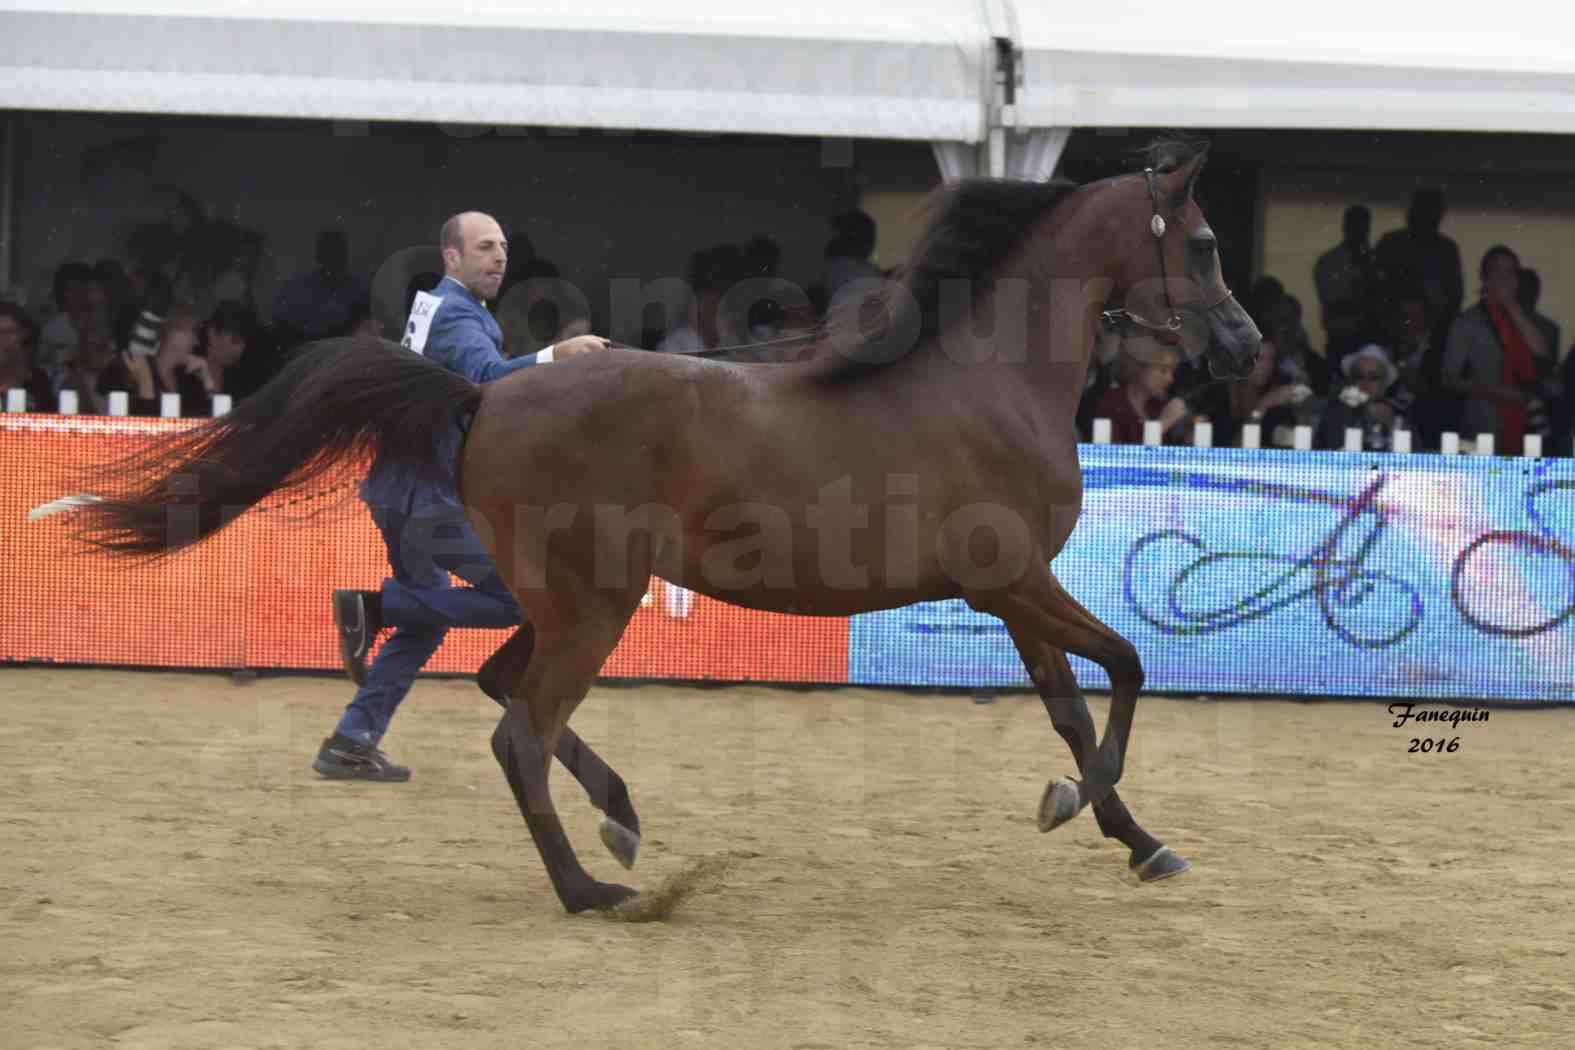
(1203, 433)
(119, 403)
(1252, 437)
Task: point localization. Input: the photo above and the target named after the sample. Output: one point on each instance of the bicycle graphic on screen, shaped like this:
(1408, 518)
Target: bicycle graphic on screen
(1179, 585)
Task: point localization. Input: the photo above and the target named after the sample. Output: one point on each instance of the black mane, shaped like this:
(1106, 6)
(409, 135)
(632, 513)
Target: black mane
(974, 225)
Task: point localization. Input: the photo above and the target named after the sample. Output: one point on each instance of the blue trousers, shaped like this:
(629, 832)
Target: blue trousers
(424, 545)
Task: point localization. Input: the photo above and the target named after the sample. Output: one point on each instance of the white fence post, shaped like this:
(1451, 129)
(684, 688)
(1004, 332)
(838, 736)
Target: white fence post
(1101, 431)
(1152, 435)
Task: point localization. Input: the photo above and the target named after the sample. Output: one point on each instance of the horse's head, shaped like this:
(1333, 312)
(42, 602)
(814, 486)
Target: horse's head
(1173, 285)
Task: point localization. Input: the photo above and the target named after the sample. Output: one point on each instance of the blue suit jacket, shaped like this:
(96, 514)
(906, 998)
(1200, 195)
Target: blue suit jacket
(454, 328)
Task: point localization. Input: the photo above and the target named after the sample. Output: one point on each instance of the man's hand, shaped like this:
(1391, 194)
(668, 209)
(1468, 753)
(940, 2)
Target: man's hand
(580, 344)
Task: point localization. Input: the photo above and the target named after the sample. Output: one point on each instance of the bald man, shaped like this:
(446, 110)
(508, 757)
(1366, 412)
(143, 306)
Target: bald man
(423, 523)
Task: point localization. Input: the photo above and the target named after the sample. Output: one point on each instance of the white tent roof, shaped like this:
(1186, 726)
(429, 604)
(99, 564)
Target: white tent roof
(1335, 64)
(900, 69)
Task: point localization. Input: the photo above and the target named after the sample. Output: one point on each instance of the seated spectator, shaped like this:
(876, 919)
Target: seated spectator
(18, 336)
(94, 372)
(1373, 401)
(1261, 297)
(1406, 334)
(118, 289)
(711, 273)
(1296, 360)
(1496, 355)
(174, 368)
(1266, 397)
(362, 323)
(319, 304)
(850, 253)
(1101, 377)
(1146, 369)
(242, 354)
(82, 304)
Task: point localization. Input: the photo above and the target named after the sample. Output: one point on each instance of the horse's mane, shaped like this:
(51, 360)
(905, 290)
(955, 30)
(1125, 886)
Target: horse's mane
(974, 225)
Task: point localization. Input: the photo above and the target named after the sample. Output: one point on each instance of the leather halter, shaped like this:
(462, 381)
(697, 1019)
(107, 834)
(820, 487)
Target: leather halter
(1172, 324)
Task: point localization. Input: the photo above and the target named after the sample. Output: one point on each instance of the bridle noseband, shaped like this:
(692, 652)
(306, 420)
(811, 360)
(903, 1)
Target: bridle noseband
(1172, 324)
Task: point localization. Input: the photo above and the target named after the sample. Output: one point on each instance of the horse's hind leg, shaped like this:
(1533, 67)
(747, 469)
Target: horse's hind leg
(620, 830)
(1058, 689)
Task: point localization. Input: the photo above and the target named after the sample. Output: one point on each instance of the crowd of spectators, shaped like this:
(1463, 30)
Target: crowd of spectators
(1403, 352)
(178, 319)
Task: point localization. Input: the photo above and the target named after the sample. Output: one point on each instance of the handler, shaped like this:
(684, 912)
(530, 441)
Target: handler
(422, 521)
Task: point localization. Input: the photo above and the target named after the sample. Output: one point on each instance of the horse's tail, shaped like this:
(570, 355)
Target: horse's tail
(336, 400)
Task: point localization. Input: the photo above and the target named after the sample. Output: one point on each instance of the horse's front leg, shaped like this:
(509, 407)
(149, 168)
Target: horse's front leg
(1036, 606)
(620, 828)
(1063, 699)
(557, 680)
(522, 753)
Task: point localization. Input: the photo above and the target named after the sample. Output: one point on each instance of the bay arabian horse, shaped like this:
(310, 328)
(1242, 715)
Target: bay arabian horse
(907, 459)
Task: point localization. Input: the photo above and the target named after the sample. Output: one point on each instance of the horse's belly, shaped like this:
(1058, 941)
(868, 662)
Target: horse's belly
(824, 564)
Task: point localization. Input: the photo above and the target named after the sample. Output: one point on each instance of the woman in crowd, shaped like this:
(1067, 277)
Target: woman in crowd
(1496, 358)
(1147, 369)
(18, 369)
(174, 368)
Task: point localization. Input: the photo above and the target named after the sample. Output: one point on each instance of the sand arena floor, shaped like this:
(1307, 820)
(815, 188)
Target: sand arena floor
(173, 875)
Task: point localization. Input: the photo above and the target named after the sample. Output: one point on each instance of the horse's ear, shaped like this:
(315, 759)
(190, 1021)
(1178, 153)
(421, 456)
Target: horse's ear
(1178, 183)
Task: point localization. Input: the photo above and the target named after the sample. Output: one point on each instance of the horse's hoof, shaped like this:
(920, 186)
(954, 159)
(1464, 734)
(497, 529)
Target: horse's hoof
(622, 843)
(1059, 804)
(598, 895)
(1162, 864)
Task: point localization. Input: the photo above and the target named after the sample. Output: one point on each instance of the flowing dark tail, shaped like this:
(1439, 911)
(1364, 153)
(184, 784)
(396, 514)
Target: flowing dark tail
(335, 400)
